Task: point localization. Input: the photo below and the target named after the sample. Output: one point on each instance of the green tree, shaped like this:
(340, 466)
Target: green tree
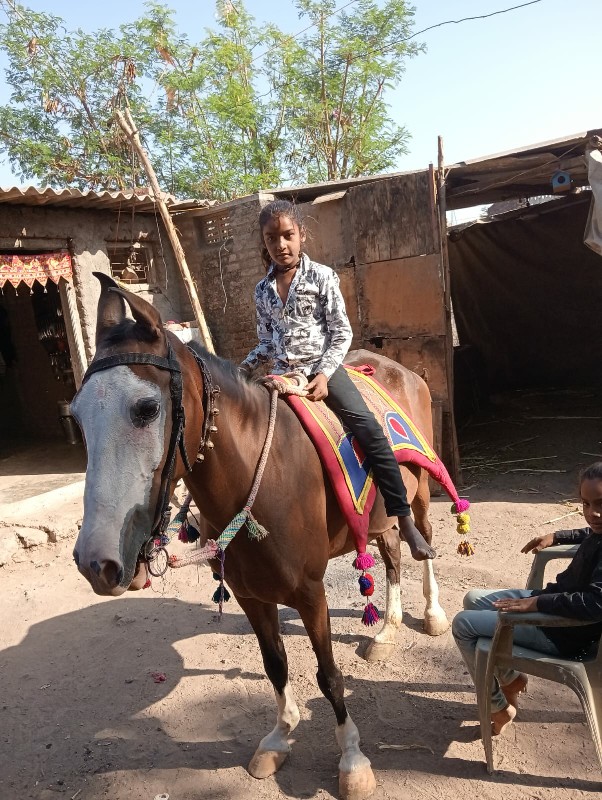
(243, 108)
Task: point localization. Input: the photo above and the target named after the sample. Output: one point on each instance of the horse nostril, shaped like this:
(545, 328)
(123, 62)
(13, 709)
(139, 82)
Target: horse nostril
(95, 567)
(76, 558)
(112, 573)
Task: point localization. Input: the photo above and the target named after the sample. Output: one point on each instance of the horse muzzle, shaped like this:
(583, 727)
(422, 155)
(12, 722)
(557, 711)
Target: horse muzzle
(105, 577)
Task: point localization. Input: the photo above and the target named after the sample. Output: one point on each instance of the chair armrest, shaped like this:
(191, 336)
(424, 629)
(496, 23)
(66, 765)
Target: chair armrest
(540, 560)
(503, 637)
(512, 618)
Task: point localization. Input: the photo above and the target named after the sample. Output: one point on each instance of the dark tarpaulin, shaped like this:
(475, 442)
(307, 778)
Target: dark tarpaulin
(527, 294)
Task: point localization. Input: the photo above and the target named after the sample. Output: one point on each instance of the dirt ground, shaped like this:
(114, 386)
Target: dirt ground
(82, 717)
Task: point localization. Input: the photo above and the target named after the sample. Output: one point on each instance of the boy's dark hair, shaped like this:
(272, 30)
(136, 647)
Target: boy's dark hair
(591, 473)
(277, 208)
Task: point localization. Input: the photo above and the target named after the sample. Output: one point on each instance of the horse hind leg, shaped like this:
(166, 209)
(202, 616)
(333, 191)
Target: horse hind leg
(381, 647)
(435, 619)
(274, 748)
(356, 779)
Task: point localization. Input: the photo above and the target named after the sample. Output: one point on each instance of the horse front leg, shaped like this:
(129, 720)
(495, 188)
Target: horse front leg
(435, 620)
(274, 748)
(381, 647)
(356, 779)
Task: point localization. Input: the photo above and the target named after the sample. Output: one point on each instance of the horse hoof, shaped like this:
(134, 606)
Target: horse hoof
(435, 624)
(265, 763)
(378, 651)
(357, 785)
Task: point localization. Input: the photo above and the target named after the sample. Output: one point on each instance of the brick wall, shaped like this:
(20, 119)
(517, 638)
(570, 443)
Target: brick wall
(226, 273)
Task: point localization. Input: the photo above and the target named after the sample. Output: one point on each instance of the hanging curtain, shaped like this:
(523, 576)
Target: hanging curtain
(40, 267)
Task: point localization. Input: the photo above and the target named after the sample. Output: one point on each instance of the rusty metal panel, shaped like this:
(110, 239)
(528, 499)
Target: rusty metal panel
(391, 219)
(426, 357)
(347, 278)
(403, 297)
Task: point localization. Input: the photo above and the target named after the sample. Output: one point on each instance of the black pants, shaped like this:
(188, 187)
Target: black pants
(348, 404)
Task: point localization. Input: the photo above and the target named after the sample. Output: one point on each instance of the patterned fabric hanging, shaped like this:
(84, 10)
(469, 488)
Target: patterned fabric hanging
(40, 267)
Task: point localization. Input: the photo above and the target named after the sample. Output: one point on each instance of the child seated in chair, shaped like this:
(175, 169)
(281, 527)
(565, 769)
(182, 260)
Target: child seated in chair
(576, 593)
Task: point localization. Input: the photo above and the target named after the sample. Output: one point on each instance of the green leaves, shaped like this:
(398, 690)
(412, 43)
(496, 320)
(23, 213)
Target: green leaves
(244, 108)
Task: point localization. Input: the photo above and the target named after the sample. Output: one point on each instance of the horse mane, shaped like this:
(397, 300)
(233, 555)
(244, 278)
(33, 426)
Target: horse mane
(238, 383)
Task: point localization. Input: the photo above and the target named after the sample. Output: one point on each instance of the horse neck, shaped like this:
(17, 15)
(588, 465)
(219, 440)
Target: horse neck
(221, 484)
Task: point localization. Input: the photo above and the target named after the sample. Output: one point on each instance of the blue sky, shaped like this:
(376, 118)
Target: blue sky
(486, 86)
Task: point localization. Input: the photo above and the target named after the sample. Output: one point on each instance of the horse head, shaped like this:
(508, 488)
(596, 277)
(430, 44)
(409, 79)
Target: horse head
(131, 409)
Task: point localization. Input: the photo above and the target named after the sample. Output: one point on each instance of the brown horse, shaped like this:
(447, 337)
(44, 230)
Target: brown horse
(147, 407)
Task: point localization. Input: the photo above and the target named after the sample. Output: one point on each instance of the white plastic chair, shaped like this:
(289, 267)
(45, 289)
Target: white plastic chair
(583, 677)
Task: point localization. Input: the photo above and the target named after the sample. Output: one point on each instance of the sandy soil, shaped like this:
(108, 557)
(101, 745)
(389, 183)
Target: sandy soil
(82, 717)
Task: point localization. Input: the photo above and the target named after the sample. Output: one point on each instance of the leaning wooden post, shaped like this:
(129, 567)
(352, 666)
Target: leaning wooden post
(129, 128)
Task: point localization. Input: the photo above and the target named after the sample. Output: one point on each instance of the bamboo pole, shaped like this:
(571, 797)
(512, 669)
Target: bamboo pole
(129, 128)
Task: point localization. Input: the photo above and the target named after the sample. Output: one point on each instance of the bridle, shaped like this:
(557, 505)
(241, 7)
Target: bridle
(170, 364)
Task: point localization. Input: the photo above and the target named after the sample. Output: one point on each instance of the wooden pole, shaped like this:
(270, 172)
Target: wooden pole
(129, 128)
(449, 346)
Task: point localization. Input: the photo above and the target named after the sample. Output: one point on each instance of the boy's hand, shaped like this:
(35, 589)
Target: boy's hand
(539, 543)
(520, 604)
(317, 389)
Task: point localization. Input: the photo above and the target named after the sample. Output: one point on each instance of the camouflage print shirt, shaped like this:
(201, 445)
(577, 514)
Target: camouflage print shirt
(309, 333)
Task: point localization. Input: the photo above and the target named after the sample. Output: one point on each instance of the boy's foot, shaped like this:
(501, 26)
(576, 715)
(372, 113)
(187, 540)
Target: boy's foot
(515, 688)
(419, 548)
(501, 719)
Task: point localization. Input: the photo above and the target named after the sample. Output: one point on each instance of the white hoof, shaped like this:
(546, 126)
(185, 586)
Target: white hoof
(378, 651)
(265, 763)
(435, 624)
(357, 784)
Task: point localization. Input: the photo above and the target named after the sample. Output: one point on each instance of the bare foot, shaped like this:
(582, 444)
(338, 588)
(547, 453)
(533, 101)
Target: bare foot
(517, 687)
(501, 719)
(419, 548)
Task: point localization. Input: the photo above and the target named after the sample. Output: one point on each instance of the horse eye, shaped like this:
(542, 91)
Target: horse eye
(144, 412)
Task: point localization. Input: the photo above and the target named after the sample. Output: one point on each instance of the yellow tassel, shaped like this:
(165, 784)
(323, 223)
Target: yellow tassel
(463, 528)
(463, 518)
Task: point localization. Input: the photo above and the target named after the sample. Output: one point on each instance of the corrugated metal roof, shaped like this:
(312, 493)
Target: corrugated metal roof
(524, 172)
(109, 201)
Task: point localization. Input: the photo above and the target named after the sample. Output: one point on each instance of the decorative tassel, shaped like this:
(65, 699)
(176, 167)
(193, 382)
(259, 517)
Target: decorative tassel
(459, 508)
(192, 534)
(465, 548)
(256, 530)
(221, 594)
(460, 505)
(363, 561)
(183, 533)
(366, 582)
(370, 615)
(147, 584)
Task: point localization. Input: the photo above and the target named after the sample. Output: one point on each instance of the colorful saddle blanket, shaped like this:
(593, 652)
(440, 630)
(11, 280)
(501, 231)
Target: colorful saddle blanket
(342, 456)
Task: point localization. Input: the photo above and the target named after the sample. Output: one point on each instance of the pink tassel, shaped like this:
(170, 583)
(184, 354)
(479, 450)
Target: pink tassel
(363, 561)
(370, 615)
(460, 505)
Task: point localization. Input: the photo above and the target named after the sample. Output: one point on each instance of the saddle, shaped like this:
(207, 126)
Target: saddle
(341, 455)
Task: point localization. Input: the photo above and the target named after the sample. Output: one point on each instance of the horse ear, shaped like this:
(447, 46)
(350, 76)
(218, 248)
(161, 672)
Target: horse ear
(148, 319)
(111, 308)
